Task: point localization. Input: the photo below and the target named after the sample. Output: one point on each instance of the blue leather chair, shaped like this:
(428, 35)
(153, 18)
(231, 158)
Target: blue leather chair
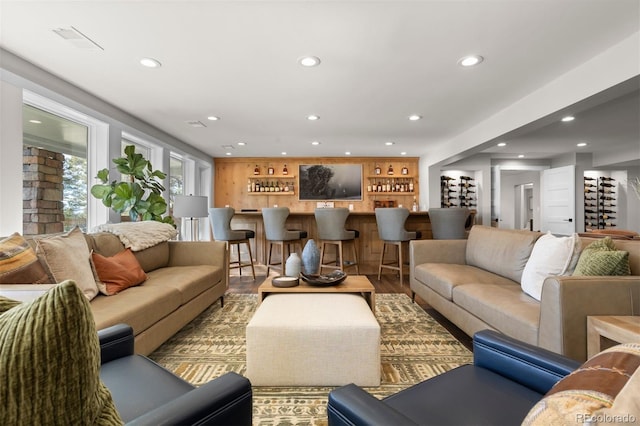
(506, 379)
(147, 394)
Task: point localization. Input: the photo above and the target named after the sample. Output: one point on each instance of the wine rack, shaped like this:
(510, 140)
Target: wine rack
(599, 202)
(459, 192)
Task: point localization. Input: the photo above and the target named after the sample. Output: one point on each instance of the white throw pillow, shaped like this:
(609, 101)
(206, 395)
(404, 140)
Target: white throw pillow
(551, 255)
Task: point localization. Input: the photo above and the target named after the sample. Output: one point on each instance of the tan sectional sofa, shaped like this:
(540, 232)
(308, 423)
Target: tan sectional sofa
(475, 283)
(183, 279)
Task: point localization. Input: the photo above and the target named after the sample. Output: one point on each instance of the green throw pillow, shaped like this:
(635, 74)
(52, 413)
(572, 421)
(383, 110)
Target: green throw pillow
(601, 258)
(50, 362)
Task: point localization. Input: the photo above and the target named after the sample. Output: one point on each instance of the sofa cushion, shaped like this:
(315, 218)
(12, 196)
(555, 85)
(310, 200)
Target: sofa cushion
(140, 306)
(50, 365)
(117, 272)
(190, 281)
(594, 386)
(443, 277)
(108, 244)
(502, 251)
(67, 257)
(19, 263)
(504, 307)
(601, 258)
(551, 255)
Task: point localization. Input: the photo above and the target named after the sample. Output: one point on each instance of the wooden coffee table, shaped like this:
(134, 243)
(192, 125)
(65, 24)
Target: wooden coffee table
(606, 331)
(352, 284)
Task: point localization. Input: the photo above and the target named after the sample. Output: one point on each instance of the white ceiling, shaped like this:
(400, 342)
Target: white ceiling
(381, 62)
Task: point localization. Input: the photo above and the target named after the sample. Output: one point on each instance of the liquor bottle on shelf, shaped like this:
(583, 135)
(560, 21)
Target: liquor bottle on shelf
(258, 189)
(377, 170)
(249, 185)
(405, 170)
(414, 207)
(270, 170)
(256, 170)
(369, 186)
(390, 170)
(411, 186)
(285, 171)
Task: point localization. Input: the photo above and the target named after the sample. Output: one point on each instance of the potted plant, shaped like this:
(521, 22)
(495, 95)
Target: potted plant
(140, 195)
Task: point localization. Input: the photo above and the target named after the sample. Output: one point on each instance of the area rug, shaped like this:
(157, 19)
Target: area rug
(414, 347)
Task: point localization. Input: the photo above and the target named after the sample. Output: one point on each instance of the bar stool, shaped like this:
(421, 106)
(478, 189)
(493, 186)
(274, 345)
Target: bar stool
(390, 221)
(331, 232)
(449, 223)
(276, 233)
(220, 219)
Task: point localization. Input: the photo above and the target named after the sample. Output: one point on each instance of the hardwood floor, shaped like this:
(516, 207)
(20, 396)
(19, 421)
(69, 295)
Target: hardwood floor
(387, 283)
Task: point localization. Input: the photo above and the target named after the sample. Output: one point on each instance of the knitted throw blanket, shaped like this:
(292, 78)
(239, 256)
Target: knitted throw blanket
(139, 235)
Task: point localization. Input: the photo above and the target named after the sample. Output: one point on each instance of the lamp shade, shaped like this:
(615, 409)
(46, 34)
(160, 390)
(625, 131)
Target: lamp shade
(190, 206)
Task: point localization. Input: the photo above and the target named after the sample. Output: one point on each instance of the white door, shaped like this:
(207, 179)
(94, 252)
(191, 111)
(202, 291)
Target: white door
(559, 200)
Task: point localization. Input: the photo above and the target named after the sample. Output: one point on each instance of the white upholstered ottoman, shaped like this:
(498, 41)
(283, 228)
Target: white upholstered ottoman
(313, 339)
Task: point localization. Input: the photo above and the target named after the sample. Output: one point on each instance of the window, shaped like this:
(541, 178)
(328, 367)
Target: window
(55, 172)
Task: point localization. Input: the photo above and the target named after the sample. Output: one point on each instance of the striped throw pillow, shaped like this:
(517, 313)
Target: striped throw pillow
(19, 263)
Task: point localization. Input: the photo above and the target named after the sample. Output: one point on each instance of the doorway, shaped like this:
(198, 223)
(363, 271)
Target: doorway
(523, 203)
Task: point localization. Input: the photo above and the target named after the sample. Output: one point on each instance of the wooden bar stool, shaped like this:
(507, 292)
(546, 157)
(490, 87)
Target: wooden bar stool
(220, 218)
(277, 233)
(391, 231)
(331, 231)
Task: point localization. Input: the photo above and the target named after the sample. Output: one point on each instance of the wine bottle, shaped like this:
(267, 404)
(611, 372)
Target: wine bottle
(607, 184)
(589, 178)
(590, 185)
(606, 191)
(589, 191)
(446, 178)
(606, 178)
(604, 197)
(466, 178)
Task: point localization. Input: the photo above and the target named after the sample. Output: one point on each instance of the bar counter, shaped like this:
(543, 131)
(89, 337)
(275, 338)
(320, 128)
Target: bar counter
(368, 244)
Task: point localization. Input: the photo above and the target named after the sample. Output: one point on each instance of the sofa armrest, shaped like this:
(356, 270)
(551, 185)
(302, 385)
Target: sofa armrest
(437, 251)
(115, 342)
(529, 365)
(351, 405)
(190, 253)
(566, 302)
(226, 400)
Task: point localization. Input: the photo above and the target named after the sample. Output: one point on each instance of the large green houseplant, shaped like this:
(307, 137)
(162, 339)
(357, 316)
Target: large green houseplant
(140, 194)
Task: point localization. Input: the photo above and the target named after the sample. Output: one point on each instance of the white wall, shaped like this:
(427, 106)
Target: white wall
(10, 149)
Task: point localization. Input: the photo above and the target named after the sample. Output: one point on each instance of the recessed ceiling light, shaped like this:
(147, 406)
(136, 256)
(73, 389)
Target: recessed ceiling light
(347, 153)
(35, 121)
(242, 143)
(389, 143)
(502, 144)
(309, 61)
(227, 153)
(150, 63)
(521, 156)
(213, 118)
(315, 143)
(581, 144)
(283, 153)
(313, 117)
(415, 117)
(403, 153)
(568, 118)
(471, 60)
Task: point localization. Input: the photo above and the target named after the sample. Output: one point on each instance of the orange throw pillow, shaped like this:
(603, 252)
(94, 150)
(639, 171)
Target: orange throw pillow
(117, 272)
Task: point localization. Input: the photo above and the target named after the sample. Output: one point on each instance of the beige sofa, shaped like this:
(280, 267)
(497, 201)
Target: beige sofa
(183, 279)
(475, 283)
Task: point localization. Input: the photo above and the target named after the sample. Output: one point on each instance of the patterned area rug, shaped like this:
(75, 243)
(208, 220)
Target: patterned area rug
(414, 347)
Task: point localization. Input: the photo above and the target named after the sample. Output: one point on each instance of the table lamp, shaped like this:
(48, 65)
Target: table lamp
(191, 207)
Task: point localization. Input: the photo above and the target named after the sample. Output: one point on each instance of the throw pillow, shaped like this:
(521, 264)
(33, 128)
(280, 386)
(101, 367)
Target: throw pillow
(19, 263)
(551, 255)
(50, 363)
(601, 258)
(117, 272)
(67, 258)
(595, 385)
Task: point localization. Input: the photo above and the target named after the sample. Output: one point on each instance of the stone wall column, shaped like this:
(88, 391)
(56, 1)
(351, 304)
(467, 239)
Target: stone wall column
(42, 191)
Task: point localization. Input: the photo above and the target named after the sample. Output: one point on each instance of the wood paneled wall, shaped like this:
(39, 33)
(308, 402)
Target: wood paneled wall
(232, 175)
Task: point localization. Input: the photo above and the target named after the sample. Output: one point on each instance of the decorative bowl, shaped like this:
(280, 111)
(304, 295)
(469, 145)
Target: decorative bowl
(332, 278)
(284, 281)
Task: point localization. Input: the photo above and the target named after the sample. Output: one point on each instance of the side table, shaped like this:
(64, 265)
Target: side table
(606, 331)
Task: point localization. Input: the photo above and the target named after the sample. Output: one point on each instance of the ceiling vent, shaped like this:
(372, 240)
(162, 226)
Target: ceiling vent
(76, 38)
(228, 147)
(196, 123)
